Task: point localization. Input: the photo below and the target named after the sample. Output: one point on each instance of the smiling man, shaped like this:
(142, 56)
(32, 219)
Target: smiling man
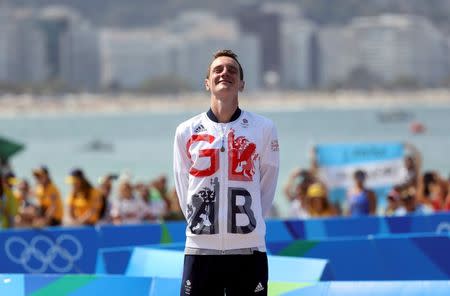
(226, 168)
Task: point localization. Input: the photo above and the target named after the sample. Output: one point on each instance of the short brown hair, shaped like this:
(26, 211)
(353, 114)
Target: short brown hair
(226, 53)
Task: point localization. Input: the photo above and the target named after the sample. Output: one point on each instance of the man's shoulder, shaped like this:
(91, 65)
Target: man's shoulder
(258, 119)
(190, 123)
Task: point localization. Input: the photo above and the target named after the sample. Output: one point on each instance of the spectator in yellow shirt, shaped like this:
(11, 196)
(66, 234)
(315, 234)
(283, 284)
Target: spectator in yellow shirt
(48, 197)
(84, 200)
(8, 204)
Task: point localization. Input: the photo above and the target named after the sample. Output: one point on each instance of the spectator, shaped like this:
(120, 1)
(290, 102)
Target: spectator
(8, 204)
(49, 199)
(362, 201)
(319, 205)
(432, 191)
(105, 189)
(447, 201)
(159, 202)
(393, 201)
(128, 209)
(409, 204)
(295, 190)
(84, 200)
(27, 207)
(429, 179)
(412, 165)
(439, 191)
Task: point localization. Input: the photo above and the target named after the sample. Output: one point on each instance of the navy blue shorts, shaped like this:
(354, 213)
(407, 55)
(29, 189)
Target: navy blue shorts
(213, 275)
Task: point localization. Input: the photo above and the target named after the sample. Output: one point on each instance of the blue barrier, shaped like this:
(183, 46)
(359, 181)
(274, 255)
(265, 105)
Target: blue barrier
(402, 257)
(51, 250)
(56, 250)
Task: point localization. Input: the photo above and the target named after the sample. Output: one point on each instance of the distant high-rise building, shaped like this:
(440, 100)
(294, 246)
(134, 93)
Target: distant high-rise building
(5, 33)
(131, 57)
(265, 26)
(27, 52)
(391, 49)
(401, 47)
(337, 55)
(80, 57)
(22, 52)
(54, 22)
(299, 59)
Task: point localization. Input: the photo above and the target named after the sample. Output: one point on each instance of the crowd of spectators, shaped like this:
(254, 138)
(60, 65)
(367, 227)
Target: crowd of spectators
(113, 199)
(419, 193)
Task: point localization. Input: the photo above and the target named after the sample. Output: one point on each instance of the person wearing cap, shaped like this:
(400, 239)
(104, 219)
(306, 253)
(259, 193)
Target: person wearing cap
(8, 204)
(319, 205)
(362, 201)
(48, 197)
(84, 200)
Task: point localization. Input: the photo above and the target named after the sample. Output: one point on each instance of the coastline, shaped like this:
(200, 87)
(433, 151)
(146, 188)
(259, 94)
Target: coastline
(29, 105)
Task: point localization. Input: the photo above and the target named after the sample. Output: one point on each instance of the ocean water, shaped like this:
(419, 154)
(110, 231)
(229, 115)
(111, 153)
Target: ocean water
(141, 143)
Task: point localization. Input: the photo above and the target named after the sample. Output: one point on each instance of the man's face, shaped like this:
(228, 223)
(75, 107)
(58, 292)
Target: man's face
(224, 77)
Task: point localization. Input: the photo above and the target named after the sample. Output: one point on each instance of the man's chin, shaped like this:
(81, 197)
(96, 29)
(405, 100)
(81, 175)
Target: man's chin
(224, 89)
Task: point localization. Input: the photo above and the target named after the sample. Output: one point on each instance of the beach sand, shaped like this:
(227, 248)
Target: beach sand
(17, 105)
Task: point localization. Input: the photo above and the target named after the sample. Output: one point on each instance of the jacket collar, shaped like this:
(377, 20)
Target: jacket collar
(213, 117)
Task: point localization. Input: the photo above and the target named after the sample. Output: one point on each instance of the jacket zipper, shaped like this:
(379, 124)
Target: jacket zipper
(223, 187)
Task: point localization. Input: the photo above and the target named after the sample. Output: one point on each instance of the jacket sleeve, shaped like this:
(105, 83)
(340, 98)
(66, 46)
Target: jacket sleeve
(181, 165)
(269, 166)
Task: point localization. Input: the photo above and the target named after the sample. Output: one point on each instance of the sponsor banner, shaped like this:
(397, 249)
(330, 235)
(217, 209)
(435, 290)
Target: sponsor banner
(383, 163)
(50, 250)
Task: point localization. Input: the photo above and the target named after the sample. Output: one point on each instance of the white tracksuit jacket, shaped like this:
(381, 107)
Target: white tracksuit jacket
(225, 177)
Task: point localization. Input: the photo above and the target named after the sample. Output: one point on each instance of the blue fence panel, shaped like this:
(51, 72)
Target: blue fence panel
(400, 257)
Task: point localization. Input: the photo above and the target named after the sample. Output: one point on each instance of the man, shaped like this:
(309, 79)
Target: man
(226, 168)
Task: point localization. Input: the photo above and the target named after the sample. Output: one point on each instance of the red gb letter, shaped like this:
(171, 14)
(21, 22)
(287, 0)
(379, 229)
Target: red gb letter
(213, 154)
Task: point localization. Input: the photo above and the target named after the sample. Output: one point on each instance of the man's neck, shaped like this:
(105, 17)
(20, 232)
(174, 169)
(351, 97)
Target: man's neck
(224, 109)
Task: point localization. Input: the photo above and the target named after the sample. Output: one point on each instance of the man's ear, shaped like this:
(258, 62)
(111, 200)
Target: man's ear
(241, 85)
(207, 86)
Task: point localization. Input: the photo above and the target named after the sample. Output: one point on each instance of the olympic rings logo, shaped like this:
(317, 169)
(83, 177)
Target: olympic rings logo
(42, 253)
